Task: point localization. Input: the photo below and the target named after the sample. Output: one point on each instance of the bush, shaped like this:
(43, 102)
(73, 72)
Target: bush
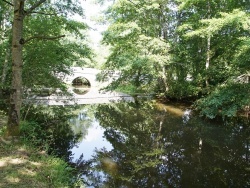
(182, 90)
(31, 132)
(225, 101)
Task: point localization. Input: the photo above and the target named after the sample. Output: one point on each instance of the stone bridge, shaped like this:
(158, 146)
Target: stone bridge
(88, 73)
(92, 96)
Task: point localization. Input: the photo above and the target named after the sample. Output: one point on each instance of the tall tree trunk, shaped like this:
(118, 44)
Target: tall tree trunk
(5, 70)
(7, 54)
(208, 58)
(17, 63)
(164, 78)
(208, 47)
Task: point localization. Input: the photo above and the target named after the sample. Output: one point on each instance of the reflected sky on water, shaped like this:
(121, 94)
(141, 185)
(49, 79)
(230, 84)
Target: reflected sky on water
(93, 140)
(156, 145)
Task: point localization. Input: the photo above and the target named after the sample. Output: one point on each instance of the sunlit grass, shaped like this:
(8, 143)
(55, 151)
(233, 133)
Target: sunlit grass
(23, 166)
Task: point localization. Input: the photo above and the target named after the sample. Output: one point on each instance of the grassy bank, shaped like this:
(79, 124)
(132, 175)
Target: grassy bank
(22, 165)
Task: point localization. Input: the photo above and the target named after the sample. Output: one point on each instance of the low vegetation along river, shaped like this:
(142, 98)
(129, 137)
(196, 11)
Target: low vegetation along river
(156, 145)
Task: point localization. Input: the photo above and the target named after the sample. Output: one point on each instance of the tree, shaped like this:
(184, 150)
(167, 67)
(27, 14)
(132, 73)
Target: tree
(226, 100)
(209, 54)
(5, 27)
(43, 61)
(140, 48)
(224, 32)
(22, 9)
(17, 63)
(186, 49)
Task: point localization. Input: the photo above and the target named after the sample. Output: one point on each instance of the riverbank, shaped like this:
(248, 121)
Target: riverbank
(22, 165)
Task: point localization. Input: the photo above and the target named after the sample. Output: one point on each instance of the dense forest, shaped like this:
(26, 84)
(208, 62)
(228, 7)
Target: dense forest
(195, 50)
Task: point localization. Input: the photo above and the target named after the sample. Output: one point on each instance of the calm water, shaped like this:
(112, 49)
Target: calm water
(154, 145)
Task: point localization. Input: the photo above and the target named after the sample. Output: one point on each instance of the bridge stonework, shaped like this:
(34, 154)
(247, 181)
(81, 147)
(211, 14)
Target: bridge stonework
(93, 96)
(88, 73)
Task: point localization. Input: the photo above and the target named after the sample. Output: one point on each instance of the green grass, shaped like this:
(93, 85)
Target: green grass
(22, 166)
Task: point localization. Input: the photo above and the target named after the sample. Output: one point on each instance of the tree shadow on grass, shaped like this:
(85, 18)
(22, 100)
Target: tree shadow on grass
(20, 167)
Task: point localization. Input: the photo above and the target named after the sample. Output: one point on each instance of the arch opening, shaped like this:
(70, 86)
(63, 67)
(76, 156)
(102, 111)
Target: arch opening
(81, 85)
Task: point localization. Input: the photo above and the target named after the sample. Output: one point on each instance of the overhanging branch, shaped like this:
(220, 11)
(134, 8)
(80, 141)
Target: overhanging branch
(48, 14)
(137, 5)
(44, 38)
(37, 4)
(8, 2)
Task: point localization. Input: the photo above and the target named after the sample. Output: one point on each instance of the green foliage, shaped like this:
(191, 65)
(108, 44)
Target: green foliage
(138, 50)
(53, 42)
(49, 128)
(237, 18)
(45, 59)
(59, 172)
(212, 48)
(183, 90)
(127, 88)
(33, 133)
(226, 100)
(185, 52)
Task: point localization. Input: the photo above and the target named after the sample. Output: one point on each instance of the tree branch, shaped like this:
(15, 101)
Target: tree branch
(136, 5)
(132, 2)
(48, 14)
(8, 2)
(43, 38)
(37, 4)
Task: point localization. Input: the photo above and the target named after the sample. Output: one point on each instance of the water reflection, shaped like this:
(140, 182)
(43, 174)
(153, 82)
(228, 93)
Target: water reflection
(92, 140)
(163, 146)
(49, 129)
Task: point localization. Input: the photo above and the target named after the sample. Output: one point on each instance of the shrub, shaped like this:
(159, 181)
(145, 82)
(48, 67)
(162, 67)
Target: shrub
(226, 100)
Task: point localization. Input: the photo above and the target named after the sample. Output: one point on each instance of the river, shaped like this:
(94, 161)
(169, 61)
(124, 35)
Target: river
(159, 145)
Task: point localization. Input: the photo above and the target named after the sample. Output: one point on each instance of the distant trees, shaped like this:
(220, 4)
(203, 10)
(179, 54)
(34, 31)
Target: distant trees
(34, 61)
(186, 49)
(140, 49)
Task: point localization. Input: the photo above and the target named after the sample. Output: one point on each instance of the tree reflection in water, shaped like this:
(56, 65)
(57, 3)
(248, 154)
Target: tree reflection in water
(49, 129)
(154, 147)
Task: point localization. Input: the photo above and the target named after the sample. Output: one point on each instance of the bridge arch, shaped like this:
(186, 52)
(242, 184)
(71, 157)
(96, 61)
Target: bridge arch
(80, 85)
(87, 73)
(81, 81)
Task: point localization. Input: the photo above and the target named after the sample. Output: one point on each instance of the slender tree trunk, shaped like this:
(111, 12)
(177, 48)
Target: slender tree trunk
(7, 55)
(5, 67)
(17, 63)
(208, 47)
(5, 70)
(208, 58)
(164, 78)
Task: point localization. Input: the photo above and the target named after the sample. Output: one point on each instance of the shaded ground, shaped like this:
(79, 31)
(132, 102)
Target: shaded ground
(22, 167)
(17, 169)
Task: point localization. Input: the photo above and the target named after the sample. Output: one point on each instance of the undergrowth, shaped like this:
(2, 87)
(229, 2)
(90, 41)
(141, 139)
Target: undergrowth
(24, 165)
